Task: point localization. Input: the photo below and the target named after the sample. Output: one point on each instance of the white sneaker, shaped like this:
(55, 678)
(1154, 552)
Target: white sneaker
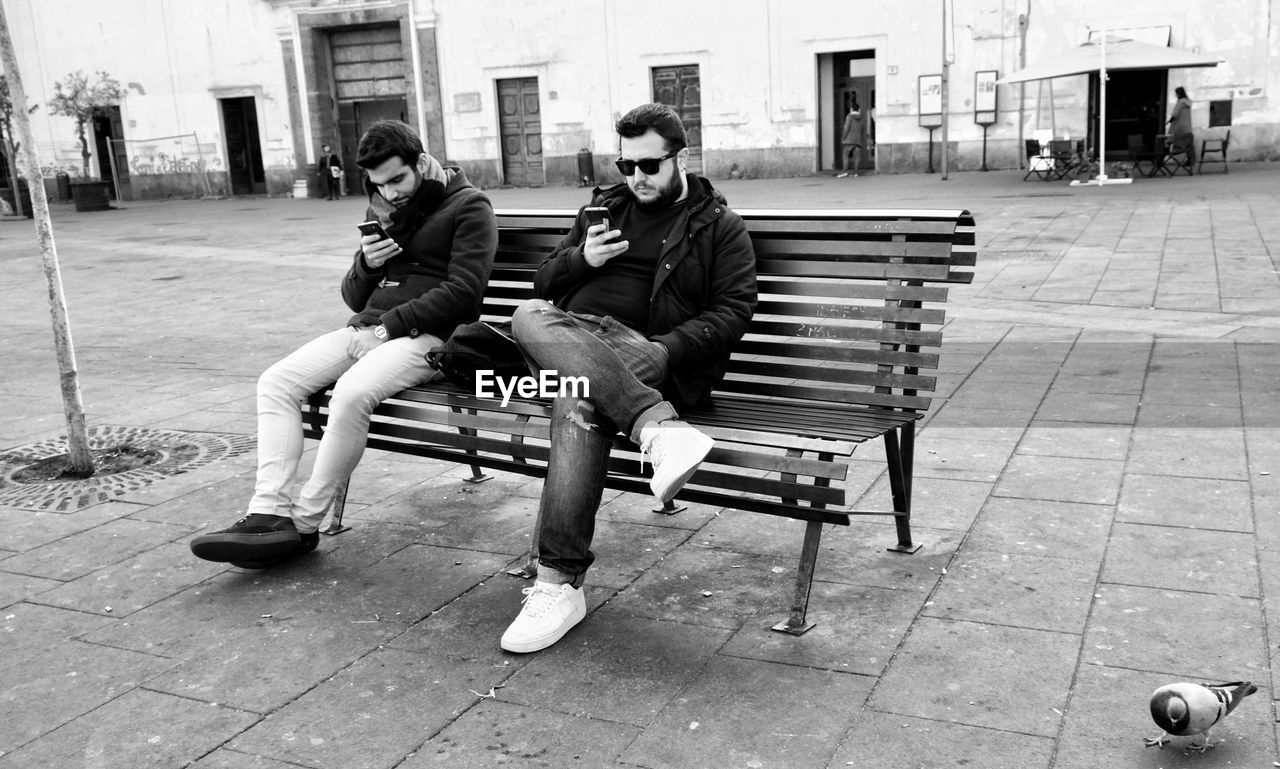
(549, 612)
(676, 449)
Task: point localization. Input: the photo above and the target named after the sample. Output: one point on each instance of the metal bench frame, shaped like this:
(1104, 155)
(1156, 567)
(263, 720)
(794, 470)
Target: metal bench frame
(850, 315)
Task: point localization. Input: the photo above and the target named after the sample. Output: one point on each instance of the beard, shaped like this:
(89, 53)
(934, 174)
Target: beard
(667, 194)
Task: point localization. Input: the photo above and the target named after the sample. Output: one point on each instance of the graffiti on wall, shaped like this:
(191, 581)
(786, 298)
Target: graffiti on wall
(179, 155)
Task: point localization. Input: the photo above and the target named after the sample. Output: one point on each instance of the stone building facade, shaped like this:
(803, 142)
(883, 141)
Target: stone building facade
(237, 96)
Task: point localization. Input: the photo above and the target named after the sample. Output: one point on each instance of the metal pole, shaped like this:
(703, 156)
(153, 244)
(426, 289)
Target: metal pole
(115, 172)
(946, 22)
(1101, 178)
(204, 171)
(1102, 110)
(1022, 89)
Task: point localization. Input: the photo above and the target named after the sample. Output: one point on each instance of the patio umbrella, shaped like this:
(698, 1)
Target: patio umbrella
(1100, 56)
(1120, 54)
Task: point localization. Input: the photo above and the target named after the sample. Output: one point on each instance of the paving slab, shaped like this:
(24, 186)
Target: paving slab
(1096, 499)
(496, 733)
(139, 728)
(892, 741)
(981, 674)
(784, 716)
(1168, 631)
(392, 701)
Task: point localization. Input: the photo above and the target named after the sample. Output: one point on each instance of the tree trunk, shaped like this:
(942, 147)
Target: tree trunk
(11, 152)
(81, 461)
(84, 146)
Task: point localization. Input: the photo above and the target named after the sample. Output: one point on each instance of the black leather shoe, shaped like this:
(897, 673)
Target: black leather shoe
(253, 537)
(308, 543)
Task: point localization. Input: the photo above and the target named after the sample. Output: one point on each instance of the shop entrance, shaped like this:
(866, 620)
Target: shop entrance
(1135, 105)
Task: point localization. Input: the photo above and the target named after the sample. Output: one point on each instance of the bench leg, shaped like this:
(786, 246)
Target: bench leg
(669, 508)
(477, 475)
(901, 459)
(796, 624)
(336, 508)
(529, 569)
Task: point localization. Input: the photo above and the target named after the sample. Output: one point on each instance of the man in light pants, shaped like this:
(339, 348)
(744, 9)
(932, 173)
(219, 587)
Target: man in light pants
(409, 291)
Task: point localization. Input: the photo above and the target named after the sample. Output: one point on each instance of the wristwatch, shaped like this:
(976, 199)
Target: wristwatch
(380, 332)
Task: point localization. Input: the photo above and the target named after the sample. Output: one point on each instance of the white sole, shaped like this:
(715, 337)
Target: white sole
(538, 644)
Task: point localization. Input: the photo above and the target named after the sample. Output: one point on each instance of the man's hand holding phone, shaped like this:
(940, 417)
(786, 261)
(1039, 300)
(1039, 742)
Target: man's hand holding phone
(376, 245)
(596, 249)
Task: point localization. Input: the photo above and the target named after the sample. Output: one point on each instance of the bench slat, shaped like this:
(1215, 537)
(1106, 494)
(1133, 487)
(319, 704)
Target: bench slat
(764, 227)
(794, 372)
(770, 284)
(752, 347)
(851, 270)
(424, 438)
(828, 394)
(833, 331)
(853, 250)
(889, 313)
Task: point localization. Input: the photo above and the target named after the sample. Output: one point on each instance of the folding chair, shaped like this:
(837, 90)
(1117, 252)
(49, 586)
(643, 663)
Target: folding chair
(1139, 154)
(1037, 164)
(1064, 157)
(1217, 147)
(1177, 158)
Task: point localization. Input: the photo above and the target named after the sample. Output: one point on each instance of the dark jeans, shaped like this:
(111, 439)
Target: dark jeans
(622, 369)
(334, 185)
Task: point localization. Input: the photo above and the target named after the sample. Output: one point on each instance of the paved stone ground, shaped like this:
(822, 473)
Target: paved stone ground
(1097, 495)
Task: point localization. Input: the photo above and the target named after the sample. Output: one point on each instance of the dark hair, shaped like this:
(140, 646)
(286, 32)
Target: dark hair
(658, 117)
(387, 139)
(1181, 92)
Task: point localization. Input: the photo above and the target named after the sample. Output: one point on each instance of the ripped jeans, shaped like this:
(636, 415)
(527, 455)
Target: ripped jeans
(623, 370)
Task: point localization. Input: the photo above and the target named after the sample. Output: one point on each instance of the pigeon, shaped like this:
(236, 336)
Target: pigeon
(1184, 709)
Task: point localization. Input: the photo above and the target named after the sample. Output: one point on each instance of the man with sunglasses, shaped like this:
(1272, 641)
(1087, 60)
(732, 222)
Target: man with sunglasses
(408, 291)
(646, 308)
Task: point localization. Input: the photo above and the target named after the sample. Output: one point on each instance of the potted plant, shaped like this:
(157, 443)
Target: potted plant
(82, 100)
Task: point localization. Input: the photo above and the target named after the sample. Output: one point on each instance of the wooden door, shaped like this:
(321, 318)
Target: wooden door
(520, 129)
(680, 88)
(354, 118)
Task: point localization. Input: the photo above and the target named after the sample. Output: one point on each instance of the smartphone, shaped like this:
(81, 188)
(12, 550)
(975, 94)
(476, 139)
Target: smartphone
(373, 228)
(597, 215)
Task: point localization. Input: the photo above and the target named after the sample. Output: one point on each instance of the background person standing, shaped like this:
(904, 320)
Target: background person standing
(331, 172)
(851, 139)
(1181, 139)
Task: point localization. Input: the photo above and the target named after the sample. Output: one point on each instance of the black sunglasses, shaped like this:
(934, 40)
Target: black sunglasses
(649, 166)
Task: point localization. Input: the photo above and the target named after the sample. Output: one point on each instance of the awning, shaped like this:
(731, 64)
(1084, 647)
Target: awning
(1121, 54)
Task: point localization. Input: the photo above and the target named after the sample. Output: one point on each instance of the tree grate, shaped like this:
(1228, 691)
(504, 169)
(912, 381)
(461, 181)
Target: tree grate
(180, 452)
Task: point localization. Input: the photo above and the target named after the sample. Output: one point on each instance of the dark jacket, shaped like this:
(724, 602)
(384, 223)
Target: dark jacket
(437, 282)
(439, 279)
(704, 292)
(328, 161)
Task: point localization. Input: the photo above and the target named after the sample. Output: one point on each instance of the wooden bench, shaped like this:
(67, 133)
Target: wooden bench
(847, 327)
